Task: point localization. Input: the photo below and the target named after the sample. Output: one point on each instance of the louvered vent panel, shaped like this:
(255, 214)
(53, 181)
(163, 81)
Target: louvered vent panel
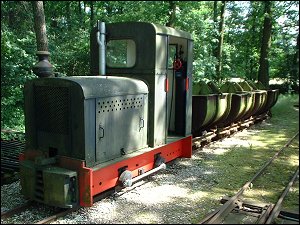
(52, 109)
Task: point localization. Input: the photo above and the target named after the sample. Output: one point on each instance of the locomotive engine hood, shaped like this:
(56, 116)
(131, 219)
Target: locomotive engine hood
(95, 86)
(61, 113)
(109, 86)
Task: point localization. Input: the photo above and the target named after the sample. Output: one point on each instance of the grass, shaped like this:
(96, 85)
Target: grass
(246, 155)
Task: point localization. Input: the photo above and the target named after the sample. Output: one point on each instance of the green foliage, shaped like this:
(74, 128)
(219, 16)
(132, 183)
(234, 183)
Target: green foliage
(286, 87)
(68, 25)
(200, 24)
(70, 55)
(17, 59)
(144, 11)
(12, 135)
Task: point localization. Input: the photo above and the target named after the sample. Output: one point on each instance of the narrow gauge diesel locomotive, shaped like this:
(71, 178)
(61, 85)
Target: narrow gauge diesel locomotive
(137, 111)
(88, 134)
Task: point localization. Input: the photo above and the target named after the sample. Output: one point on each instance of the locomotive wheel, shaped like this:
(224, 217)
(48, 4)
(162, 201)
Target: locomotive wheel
(159, 160)
(126, 178)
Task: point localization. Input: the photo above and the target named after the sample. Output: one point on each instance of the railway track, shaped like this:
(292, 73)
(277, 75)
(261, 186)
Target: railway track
(220, 133)
(263, 215)
(10, 150)
(205, 139)
(16, 210)
(30, 204)
(115, 193)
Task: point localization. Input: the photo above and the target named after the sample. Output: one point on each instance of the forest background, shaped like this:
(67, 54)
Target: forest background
(255, 40)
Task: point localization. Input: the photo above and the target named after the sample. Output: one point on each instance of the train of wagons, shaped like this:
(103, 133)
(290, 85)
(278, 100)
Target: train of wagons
(138, 110)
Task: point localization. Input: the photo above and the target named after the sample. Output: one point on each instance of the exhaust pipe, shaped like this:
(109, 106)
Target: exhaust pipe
(101, 43)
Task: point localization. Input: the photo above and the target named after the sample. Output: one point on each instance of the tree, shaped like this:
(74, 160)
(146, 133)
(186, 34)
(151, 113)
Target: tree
(215, 11)
(92, 14)
(263, 72)
(172, 14)
(295, 65)
(40, 25)
(220, 43)
(252, 68)
(68, 28)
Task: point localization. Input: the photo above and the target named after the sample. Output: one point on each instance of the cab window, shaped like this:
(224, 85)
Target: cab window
(121, 53)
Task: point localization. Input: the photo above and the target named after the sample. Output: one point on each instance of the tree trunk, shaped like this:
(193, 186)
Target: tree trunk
(84, 13)
(215, 12)
(69, 22)
(92, 14)
(215, 37)
(79, 12)
(172, 13)
(252, 67)
(220, 44)
(295, 65)
(263, 72)
(11, 14)
(40, 26)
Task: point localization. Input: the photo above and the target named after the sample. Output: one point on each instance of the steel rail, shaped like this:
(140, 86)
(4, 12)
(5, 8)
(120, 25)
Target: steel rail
(239, 125)
(225, 209)
(16, 210)
(276, 210)
(57, 215)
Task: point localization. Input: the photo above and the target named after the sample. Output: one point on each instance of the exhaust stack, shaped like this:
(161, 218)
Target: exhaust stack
(101, 42)
(43, 68)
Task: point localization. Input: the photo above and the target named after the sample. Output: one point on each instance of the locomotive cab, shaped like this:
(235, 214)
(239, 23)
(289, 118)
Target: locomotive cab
(162, 58)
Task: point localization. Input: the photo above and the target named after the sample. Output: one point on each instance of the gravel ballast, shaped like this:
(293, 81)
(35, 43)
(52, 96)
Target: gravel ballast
(178, 194)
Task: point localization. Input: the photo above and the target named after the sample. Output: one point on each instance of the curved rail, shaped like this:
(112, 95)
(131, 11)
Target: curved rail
(224, 210)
